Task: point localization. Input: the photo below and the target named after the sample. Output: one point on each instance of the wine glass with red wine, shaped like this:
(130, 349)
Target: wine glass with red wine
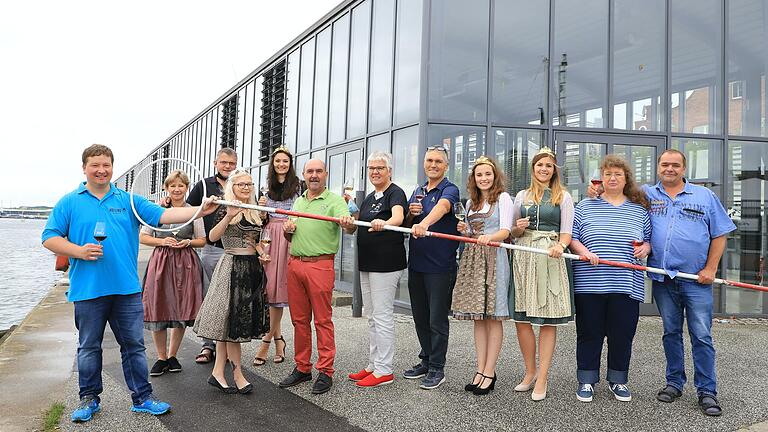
(100, 232)
(597, 180)
(421, 192)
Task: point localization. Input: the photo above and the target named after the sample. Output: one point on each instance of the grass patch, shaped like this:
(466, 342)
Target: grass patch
(52, 417)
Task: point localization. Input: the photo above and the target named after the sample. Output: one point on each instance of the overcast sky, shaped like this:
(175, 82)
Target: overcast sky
(124, 74)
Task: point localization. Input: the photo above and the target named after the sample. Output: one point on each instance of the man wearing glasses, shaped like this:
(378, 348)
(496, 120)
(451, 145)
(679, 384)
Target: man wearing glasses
(225, 163)
(432, 266)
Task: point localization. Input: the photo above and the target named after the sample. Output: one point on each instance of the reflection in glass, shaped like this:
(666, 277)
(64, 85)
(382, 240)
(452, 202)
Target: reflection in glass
(638, 64)
(406, 162)
(514, 150)
(407, 61)
(642, 161)
(250, 108)
(322, 75)
(337, 105)
(464, 144)
(520, 51)
(581, 160)
(747, 246)
(579, 68)
(747, 67)
(239, 141)
(292, 100)
(695, 68)
(703, 161)
(380, 94)
(304, 134)
(358, 70)
(458, 50)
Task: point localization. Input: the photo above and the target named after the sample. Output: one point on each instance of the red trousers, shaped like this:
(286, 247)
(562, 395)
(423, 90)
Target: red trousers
(310, 289)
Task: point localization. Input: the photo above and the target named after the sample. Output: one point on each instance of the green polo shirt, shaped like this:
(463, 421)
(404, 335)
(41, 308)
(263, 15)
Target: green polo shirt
(315, 237)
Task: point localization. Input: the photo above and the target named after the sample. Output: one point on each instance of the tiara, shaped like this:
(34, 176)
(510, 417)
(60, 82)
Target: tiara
(548, 151)
(282, 149)
(482, 160)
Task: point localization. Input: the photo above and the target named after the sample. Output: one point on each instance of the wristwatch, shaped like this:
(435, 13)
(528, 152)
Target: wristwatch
(565, 246)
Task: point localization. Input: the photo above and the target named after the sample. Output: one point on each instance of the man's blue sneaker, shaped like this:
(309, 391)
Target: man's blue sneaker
(432, 380)
(89, 406)
(585, 392)
(416, 372)
(153, 406)
(620, 392)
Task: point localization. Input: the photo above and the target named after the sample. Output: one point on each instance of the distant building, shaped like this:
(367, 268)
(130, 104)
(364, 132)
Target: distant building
(503, 78)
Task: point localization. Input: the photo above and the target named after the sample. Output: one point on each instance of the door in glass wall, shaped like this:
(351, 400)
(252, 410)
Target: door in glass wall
(579, 157)
(345, 168)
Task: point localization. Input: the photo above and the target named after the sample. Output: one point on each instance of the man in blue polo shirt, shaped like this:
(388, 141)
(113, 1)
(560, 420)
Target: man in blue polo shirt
(689, 234)
(432, 267)
(104, 282)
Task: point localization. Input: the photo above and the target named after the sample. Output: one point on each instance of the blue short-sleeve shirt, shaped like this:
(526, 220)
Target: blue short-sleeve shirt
(683, 228)
(429, 254)
(75, 217)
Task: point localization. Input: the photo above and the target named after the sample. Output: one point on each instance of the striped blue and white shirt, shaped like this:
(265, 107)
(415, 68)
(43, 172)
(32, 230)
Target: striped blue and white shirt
(608, 231)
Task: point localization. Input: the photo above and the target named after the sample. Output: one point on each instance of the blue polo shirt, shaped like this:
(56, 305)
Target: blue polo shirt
(683, 228)
(75, 217)
(429, 254)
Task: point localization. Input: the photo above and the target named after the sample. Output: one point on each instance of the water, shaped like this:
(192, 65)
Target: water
(27, 269)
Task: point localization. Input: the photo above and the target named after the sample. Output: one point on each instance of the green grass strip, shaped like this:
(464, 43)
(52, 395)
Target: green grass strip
(52, 417)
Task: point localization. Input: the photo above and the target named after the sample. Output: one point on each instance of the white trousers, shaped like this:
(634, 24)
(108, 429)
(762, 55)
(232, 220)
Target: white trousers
(379, 306)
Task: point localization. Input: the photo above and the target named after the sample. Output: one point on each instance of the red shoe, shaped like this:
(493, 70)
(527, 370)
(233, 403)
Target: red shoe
(357, 376)
(372, 381)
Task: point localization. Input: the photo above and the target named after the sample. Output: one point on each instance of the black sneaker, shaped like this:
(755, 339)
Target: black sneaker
(416, 372)
(296, 377)
(322, 384)
(174, 365)
(160, 367)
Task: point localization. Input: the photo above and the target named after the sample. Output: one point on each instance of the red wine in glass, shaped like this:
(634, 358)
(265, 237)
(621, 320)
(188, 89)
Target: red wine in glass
(100, 232)
(420, 194)
(637, 242)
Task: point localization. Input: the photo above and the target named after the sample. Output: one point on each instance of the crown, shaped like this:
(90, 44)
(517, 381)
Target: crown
(548, 151)
(482, 160)
(282, 149)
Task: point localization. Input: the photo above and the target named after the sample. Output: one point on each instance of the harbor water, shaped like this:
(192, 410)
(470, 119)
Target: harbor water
(27, 269)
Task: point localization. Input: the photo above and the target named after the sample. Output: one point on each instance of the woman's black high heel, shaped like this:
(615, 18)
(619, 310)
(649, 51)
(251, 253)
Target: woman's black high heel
(484, 391)
(471, 386)
(214, 382)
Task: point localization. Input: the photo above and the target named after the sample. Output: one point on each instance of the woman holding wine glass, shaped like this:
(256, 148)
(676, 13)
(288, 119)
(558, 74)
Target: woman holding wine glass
(280, 191)
(480, 293)
(173, 282)
(540, 289)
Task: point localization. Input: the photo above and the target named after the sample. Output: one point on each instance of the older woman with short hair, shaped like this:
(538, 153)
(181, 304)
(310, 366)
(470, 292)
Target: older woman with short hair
(173, 282)
(381, 265)
(615, 227)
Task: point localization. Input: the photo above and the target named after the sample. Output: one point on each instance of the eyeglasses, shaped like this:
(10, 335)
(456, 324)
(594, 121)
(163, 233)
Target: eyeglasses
(244, 185)
(437, 148)
(377, 168)
(227, 163)
(616, 175)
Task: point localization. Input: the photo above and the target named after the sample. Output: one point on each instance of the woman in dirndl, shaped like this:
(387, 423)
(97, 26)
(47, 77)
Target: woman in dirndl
(541, 291)
(173, 283)
(282, 189)
(235, 308)
(480, 293)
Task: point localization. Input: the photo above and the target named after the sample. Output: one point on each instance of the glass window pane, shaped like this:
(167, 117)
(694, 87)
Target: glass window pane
(747, 66)
(303, 136)
(300, 161)
(292, 99)
(337, 108)
(747, 193)
(240, 125)
(322, 75)
(458, 50)
(406, 162)
(407, 61)
(248, 141)
(695, 54)
(704, 161)
(638, 63)
(520, 52)
(358, 70)
(514, 150)
(320, 154)
(464, 144)
(376, 143)
(380, 102)
(579, 68)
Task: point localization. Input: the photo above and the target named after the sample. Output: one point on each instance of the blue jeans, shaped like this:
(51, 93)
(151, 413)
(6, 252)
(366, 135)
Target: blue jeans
(430, 304)
(677, 299)
(125, 315)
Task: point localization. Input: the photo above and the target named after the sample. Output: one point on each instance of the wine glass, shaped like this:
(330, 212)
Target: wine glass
(264, 189)
(265, 241)
(294, 220)
(349, 186)
(100, 232)
(527, 204)
(421, 192)
(459, 211)
(597, 180)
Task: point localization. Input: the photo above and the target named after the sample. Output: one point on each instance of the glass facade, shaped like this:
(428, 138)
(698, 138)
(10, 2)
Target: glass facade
(504, 78)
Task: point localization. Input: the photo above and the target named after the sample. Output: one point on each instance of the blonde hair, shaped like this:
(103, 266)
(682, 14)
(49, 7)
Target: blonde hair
(536, 191)
(176, 175)
(251, 216)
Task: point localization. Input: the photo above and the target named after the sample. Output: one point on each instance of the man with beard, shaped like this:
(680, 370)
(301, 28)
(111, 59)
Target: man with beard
(225, 163)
